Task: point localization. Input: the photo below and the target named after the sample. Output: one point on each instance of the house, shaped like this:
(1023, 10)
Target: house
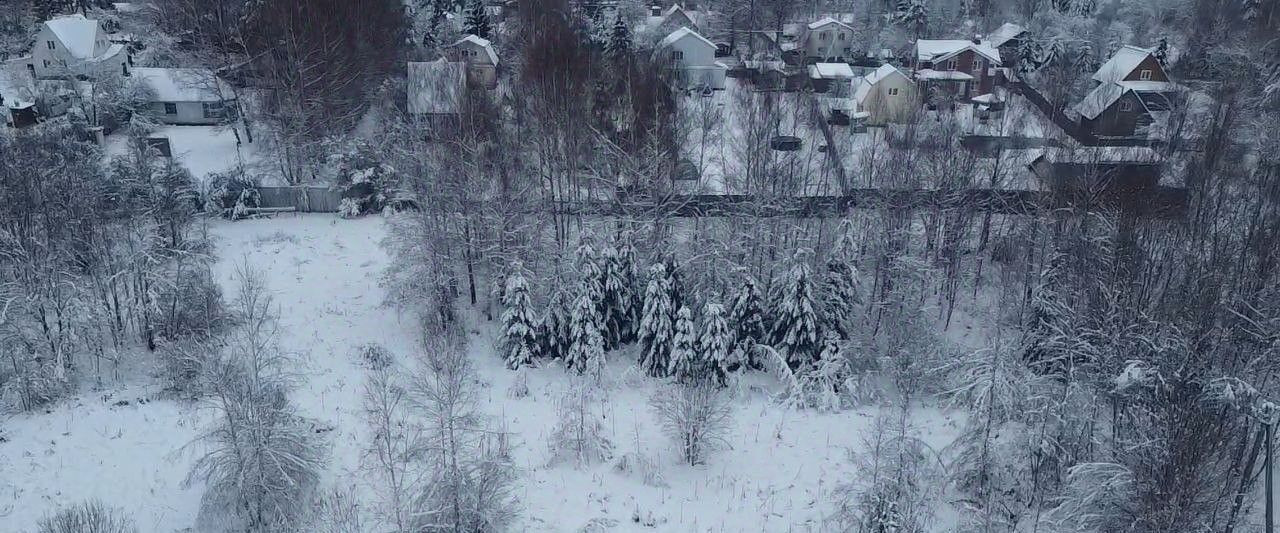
(77, 47)
(1133, 89)
(955, 68)
(481, 60)
(692, 58)
(188, 96)
(831, 77)
(436, 90)
(886, 95)
(661, 22)
(1103, 172)
(827, 40)
(1008, 39)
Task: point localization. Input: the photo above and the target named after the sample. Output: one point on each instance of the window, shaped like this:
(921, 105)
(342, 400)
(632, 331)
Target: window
(212, 109)
(977, 66)
(677, 55)
(951, 65)
(893, 91)
(170, 109)
(1145, 74)
(1126, 105)
(46, 63)
(51, 45)
(841, 36)
(824, 36)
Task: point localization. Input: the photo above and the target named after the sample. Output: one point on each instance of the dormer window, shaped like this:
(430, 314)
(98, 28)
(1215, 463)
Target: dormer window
(1144, 74)
(951, 64)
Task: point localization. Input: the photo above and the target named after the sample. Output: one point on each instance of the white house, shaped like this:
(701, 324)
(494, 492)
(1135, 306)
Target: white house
(886, 95)
(75, 46)
(693, 59)
(187, 95)
(828, 39)
(481, 60)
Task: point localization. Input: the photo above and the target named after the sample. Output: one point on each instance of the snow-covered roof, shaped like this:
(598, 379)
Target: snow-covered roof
(1121, 63)
(436, 87)
(1101, 154)
(1099, 99)
(182, 84)
(681, 33)
(78, 34)
(938, 49)
(831, 71)
(930, 74)
(112, 52)
(483, 43)
(988, 98)
(826, 21)
(1004, 34)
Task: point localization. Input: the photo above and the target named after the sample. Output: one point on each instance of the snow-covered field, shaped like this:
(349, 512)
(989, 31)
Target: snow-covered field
(207, 149)
(776, 474)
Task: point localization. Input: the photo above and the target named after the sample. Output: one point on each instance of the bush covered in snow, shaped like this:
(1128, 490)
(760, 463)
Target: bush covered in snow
(87, 517)
(367, 182)
(697, 417)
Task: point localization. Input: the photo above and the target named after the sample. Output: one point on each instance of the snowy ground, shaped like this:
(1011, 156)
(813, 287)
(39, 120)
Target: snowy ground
(207, 149)
(776, 474)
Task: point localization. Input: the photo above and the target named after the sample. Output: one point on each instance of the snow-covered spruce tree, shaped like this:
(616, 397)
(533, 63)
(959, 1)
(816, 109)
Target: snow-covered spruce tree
(630, 298)
(586, 335)
(795, 329)
(715, 344)
(675, 283)
(685, 363)
(820, 385)
(477, 19)
(260, 460)
(618, 48)
(519, 324)
(839, 296)
(746, 313)
(616, 297)
(656, 323)
(553, 329)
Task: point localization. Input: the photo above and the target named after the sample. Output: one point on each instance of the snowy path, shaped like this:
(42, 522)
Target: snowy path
(323, 273)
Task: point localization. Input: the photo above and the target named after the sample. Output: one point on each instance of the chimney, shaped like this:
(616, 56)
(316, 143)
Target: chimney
(655, 10)
(977, 38)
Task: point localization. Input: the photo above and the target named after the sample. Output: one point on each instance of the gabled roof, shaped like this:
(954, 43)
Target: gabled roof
(436, 87)
(1121, 63)
(182, 84)
(1005, 33)
(826, 21)
(681, 33)
(79, 35)
(939, 49)
(831, 71)
(482, 43)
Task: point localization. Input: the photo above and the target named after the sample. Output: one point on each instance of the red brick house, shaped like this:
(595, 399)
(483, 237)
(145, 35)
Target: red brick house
(955, 68)
(1133, 90)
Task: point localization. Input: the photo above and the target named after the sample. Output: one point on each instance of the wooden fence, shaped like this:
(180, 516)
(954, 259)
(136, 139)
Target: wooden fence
(302, 198)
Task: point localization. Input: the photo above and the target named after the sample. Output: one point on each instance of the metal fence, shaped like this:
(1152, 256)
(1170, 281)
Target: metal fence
(302, 198)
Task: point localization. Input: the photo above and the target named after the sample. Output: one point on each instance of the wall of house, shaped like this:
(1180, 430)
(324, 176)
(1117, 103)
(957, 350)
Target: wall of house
(896, 108)
(482, 75)
(969, 62)
(1113, 122)
(188, 113)
(1150, 63)
(837, 45)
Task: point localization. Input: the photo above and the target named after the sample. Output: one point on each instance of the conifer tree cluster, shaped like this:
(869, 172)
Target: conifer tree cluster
(610, 306)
